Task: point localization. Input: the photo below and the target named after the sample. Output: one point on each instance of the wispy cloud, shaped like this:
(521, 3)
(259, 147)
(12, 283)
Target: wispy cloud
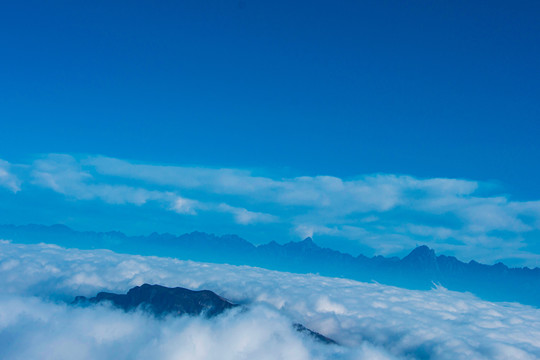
(388, 213)
(222, 181)
(64, 174)
(245, 217)
(8, 179)
(367, 193)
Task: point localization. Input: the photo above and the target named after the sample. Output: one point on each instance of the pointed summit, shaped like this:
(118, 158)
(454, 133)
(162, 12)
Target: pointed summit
(303, 245)
(422, 251)
(308, 243)
(308, 240)
(421, 256)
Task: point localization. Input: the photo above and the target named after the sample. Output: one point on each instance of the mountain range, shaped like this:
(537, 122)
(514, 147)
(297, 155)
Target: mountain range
(422, 269)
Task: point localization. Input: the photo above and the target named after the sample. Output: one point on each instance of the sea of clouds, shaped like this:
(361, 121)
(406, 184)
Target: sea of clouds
(369, 320)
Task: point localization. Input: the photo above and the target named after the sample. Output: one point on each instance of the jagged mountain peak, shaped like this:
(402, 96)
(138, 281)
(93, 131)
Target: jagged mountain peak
(162, 300)
(422, 251)
(307, 241)
(421, 255)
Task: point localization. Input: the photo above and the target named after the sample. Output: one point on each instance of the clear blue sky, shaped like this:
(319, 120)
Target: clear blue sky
(429, 89)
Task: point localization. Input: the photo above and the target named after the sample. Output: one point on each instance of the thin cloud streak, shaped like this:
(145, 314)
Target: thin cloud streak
(337, 197)
(63, 174)
(7, 178)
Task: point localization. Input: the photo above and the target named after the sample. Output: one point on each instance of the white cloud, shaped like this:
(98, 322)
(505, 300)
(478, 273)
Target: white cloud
(44, 330)
(245, 217)
(185, 206)
(334, 196)
(8, 179)
(63, 174)
(371, 321)
(368, 193)
(233, 181)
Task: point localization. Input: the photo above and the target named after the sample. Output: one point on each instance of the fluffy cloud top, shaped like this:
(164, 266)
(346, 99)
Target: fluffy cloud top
(371, 321)
(384, 212)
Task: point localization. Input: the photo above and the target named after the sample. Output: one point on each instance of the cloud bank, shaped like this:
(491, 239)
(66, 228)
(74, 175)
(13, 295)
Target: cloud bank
(371, 321)
(386, 213)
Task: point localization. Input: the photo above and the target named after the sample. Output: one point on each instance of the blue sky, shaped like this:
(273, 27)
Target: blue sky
(284, 92)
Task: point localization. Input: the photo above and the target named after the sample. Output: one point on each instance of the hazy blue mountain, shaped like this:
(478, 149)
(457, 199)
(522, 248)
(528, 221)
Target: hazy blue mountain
(421, 269)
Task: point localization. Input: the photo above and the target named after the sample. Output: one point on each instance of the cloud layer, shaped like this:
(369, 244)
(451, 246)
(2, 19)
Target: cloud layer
(371, 321)
(386, 213)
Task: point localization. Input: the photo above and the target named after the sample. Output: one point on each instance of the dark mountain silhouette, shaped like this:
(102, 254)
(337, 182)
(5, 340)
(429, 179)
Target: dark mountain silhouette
(421, 269)
(321, 338)
(160, 301)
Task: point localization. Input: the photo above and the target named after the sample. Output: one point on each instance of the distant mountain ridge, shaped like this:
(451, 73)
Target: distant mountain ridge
(421, 269)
